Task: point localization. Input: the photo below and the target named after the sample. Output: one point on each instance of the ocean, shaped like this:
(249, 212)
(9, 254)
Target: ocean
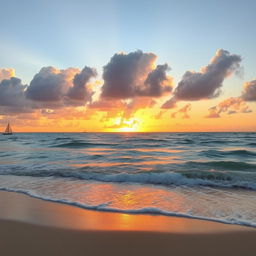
(210, 176)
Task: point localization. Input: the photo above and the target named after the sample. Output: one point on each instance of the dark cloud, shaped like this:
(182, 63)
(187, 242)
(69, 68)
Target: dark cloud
(171, 103)
(130, 75)
(157, 82)
(249, 91)
(13, 100)
(230, 106)
(50, 84)
(12, 94)
(49, 89)
(80, 91)
(58, 88)
(206, 84)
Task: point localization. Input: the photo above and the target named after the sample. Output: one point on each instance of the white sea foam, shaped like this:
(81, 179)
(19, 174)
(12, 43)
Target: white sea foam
(210, 178)
(146, 210)
(193, 202)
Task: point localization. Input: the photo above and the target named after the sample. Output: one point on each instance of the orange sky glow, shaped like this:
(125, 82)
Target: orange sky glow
(133, 95)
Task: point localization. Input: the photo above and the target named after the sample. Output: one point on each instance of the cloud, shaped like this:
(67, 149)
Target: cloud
(123, 108)
(50, 88)
(51, 84)
(12, 97)
(182, 111)
(171, 103)
(123, 122)
(131, 75)
(230, 106)
(136, 104)
(47, 111)
(213, 112)
(6, 73)
(105, 105)
(205, 84)
(157, 82)
(249, 91)
(11, 92)
(80, 91)
(159, 115)
(54, 88)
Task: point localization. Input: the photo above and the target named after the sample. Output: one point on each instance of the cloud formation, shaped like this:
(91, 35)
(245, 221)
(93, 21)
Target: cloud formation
(205, 84)
(132, 75)
(61, 87)
(105, 105)
(51, 84)
(230, 106)
(131, 82)
(13, 99)
(6, 73)
(249, 91)
(157, 82)
(182, 111)
(122, 122)
(49, 89)
(80, 90)
(11, 91)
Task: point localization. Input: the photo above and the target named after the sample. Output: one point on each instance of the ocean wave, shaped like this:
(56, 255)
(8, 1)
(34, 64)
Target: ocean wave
(223, 165)
(209, 178)
(222, 153)
(145, 210)
(213, 141)
(80, 144)
(62, 138)
(147, 140)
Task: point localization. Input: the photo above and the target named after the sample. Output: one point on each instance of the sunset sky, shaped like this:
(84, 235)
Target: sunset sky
(128, 66)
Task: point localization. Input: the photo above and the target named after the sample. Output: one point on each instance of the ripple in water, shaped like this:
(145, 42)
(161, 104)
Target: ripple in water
(199, 175)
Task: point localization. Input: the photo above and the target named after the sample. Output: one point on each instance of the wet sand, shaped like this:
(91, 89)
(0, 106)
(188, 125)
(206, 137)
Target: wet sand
(30, 226)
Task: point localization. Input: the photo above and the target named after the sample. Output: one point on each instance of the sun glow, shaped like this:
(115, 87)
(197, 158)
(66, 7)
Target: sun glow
(126, 125)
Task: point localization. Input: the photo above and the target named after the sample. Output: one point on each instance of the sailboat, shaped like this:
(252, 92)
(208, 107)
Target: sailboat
(8, 130)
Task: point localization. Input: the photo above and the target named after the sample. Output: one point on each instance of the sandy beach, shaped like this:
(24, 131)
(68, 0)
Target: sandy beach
(32, 226)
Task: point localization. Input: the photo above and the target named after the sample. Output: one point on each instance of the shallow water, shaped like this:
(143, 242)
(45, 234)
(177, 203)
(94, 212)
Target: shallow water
(200, 175)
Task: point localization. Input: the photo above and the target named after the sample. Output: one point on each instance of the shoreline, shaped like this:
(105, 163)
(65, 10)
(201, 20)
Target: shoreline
(47, 212)
(21, 207)
(30, 226)
(123, 212)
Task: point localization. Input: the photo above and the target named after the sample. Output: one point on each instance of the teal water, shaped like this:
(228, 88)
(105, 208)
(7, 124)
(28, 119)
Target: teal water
(199, 175)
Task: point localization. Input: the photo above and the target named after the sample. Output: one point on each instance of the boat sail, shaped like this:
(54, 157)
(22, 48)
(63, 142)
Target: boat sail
(8, 130)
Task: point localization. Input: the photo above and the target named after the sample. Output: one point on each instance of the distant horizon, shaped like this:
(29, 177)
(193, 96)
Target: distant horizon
(144, 132)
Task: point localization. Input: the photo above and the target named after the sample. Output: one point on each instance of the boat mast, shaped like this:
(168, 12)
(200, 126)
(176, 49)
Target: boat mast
(8, 129)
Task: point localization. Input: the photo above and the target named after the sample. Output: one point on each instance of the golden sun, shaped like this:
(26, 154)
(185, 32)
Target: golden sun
(126, 125)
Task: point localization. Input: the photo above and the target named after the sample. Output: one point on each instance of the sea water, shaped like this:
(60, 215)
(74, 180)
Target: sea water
(197, 175)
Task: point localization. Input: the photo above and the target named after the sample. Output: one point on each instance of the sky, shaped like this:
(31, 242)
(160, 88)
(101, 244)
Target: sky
(128, 66)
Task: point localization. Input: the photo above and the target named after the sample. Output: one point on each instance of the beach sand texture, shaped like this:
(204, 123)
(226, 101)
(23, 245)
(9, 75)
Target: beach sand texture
(31, 226)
